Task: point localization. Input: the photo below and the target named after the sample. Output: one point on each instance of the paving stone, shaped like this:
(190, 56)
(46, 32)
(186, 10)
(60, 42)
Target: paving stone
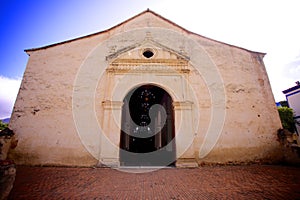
(214, 182)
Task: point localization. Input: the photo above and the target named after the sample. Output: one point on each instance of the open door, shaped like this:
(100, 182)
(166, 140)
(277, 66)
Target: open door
(147, 135)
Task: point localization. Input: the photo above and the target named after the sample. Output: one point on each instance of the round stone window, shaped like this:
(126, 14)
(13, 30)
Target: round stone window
(148, 53)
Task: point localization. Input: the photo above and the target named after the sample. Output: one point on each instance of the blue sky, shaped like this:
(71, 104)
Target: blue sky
(33, 23)
(266, 26)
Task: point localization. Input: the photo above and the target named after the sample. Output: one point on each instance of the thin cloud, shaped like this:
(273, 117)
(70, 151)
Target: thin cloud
(9, 88)
(292, 70)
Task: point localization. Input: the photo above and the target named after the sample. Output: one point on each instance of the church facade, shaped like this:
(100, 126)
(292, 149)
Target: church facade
(146, 92)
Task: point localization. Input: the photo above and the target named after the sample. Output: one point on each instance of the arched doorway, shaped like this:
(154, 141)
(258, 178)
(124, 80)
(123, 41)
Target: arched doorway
(147, 135)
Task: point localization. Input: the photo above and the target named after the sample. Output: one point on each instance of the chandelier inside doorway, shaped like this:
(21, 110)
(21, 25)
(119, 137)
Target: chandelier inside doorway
(147, 127)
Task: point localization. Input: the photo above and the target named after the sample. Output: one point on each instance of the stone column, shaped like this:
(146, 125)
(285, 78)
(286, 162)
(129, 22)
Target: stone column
(110, 138)
(158, 127)
(185, 134)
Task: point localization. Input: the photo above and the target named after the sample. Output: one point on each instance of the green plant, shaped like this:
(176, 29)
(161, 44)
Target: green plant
(287, 118)
(3, 125)
(284, 103)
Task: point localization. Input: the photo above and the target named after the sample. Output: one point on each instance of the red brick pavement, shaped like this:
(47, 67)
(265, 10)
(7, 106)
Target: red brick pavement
(219, 182)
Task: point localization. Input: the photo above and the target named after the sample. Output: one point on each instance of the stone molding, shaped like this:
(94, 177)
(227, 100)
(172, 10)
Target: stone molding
(112, 105)
(150, 66)
(183, 105)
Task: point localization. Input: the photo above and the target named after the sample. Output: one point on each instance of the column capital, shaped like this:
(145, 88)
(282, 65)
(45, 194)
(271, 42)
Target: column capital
(112, 105)
(183, 105)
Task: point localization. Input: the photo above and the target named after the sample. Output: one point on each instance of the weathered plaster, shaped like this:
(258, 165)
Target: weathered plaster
(224, 100)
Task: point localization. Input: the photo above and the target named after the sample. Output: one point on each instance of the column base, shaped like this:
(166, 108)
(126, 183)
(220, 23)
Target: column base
(109, 162)
(186, 163)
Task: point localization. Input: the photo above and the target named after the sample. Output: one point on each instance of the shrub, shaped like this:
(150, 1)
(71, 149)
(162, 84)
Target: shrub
(287, 118)
(3, 125)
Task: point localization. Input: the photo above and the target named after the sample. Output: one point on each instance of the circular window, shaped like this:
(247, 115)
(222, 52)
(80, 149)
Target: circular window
(148, 53)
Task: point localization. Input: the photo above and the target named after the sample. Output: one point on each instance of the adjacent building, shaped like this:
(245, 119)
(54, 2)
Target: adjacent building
(293, 99)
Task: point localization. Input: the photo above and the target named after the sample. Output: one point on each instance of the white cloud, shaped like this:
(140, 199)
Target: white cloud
(292, 70)
(264, 26)
(8, 93)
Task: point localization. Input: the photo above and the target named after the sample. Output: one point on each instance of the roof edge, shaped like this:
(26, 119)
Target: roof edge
(190, 32)
(135, 16)
(291, 89)
(86, 36)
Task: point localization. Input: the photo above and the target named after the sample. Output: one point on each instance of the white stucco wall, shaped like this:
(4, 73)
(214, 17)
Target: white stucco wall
(293, 99)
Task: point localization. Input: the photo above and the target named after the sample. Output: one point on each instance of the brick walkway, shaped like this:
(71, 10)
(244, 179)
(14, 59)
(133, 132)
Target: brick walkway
(225, 182)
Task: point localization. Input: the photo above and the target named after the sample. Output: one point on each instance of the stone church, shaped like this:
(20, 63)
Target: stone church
(145, 92)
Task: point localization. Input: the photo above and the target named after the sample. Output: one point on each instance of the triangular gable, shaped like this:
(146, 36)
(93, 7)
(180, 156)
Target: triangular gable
(134, 59)
(148, 42)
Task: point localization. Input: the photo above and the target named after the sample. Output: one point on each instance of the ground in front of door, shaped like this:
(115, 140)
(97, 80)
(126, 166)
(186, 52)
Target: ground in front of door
(217, 182)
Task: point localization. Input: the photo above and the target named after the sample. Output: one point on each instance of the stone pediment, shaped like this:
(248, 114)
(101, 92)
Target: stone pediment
(148, 56)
